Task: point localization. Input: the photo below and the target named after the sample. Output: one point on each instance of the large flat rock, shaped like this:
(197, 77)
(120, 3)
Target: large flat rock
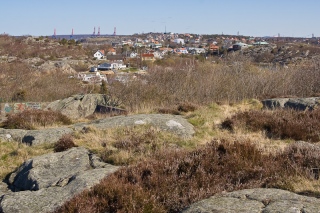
(46, 182)
(173, 123)
(292, 103)
(257, 200)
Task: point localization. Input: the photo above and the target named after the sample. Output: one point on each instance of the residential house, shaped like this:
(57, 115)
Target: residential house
(181, 51)
(213, 47)
(165, 50)
(196, 51)
(260, 43)
(147, 57)
(99, 54)
(116, 58)
(239, 46)
(92, 77)
(111, 51)
(155, 45)
(179, 41)
(158, 55)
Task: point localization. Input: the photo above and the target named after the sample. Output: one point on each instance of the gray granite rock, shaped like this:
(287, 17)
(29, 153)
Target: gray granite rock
(172, 123)
(257, 200)
(45, 183)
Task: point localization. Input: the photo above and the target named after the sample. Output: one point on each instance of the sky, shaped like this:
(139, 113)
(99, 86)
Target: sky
(292, 18)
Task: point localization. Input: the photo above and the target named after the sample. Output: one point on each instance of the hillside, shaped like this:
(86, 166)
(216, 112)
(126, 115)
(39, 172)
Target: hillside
(190, 128)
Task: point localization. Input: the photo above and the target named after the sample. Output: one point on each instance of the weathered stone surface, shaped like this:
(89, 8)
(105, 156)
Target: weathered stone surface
(292, 103)
(12, 134)
(50, 135)
(303, 103)
(34, 137)
(48, 170)
(79, 105)
(257, 200)
(275, 103)
(53, 178)
(172, 123)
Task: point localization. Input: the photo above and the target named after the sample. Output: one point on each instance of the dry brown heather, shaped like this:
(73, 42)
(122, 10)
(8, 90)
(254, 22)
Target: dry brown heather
(278, 124)
(173, 179)
(32, 119)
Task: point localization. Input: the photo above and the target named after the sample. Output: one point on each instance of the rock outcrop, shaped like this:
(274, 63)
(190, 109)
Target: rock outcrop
(172, 123)
(80, 106)
(175, 124)
(292, 103)
(257, 200)
(46, 182)
(34, 137)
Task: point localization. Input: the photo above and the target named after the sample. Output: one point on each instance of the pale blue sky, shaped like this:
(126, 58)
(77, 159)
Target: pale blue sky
(298, 18)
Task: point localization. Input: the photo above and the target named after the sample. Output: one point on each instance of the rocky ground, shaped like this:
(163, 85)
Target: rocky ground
(257, 201)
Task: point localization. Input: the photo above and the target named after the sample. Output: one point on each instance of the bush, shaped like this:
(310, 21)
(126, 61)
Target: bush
(186, 107)
(283, 124)
(173, 179)
(30, 119)
(64, 143)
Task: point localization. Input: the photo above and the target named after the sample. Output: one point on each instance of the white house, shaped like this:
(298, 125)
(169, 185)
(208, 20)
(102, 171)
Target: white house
(179, 41)
(158, 55)
(92, 78)
(99, 54)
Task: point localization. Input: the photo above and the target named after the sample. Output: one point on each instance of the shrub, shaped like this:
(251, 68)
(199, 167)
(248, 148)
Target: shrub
(283, 124)
(186, 107)
(173, 179)
(168, 111)
(64, 143)
(30, 119)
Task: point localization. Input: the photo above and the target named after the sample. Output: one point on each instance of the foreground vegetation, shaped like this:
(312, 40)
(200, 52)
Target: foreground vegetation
(236, 145)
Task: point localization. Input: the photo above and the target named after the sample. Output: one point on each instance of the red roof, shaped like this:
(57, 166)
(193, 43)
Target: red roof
(147, 55)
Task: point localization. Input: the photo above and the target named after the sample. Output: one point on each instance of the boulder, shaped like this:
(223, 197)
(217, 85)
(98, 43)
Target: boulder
(302, 103)
(275, 103)
(51, 135)
(257, 200)
(292, 103)
(45, 183)
(34, 137)
(78, 106)
(172, 123)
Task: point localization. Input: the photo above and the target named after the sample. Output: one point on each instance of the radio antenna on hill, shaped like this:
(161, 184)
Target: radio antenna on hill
(98, 31)
(54, 33)
(115, 31)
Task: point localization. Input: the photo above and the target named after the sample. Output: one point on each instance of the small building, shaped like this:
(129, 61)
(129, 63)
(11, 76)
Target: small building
(260, 43)
(147, 57)
(92, 77)
(239, 46)
(111, 51)
(99, 54)
(179, 41)
(119, 58)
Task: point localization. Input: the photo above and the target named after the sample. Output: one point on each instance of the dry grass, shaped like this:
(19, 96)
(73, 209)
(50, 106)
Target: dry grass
(125, 146)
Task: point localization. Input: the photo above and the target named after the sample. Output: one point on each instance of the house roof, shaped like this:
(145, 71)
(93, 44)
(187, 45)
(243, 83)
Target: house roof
(101, 51)
(147, 55)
